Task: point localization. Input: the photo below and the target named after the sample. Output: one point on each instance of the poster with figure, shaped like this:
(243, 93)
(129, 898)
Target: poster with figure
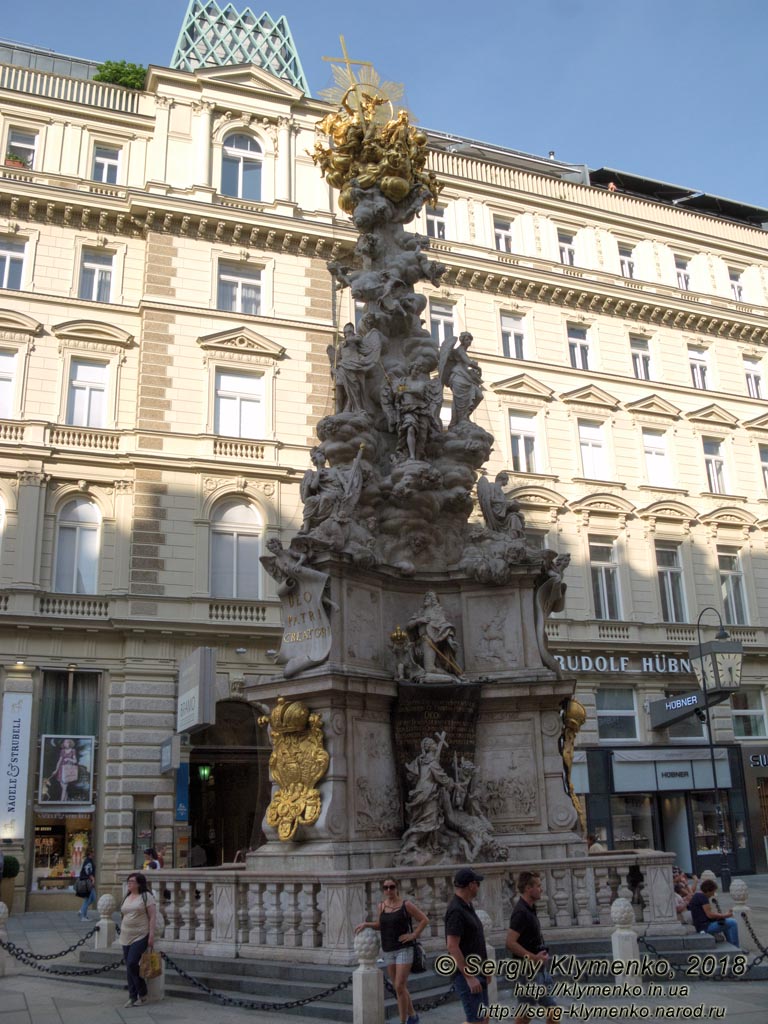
(66, 770)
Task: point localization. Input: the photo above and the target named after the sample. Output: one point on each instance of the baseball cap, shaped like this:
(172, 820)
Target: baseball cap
(464, 876)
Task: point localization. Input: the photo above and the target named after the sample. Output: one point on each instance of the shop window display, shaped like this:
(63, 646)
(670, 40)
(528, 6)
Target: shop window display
(632, 822)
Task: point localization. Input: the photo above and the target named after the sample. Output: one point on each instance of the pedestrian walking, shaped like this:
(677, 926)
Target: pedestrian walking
(88, 876)
(464, 937)
(524, 941)
(398, 938)
(137, 933)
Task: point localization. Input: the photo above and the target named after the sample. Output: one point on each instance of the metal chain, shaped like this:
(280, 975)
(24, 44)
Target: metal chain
(763, 951)
(52, 956)
(30, 960)
(423, 1005)
(247, 1004)
(677, 968)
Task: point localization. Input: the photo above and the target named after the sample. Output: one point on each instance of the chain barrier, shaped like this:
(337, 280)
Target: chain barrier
(24, 956)
(680, 968)
(247, 1004)
(423, 1005)
(53, 956)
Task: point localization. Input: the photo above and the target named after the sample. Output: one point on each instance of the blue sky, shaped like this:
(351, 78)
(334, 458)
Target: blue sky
(670, 89)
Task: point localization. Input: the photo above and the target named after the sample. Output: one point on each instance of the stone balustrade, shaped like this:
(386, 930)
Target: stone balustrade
(311, 918)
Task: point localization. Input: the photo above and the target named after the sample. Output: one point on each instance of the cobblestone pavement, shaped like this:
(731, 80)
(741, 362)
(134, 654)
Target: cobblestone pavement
(30, 998)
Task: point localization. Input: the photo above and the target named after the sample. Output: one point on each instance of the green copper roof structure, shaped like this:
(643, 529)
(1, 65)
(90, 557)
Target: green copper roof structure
(213, 36)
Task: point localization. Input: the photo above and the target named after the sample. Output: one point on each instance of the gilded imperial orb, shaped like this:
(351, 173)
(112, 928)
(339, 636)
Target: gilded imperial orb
(297, 763)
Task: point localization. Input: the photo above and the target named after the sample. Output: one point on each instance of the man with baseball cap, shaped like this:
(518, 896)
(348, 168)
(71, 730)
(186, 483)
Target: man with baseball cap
(464, 936)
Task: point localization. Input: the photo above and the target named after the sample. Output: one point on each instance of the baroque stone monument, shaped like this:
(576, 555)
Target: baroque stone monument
(414, 627)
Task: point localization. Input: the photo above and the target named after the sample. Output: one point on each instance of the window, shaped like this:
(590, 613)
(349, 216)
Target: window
(106, 163)
(656, 464)
(440, 322)
(239, 404)
(86, 397)
(671, 589)
(714, 463)
(7, 375)
(626, 261)
(641, 357)
(697, 360)
(764, 465)
(567, 248)
(605, 578)
(502, 230)
(235, 549)
(522, 431)
(241, 167)
(754, 377)
(435, 221)
(735, 278)
(683, 275)
(578, 347)
(689, 728)
(616, 715)
(95, 276)
(22, 146)
(77, 548)
(11, 264)
(512, 336)
(594, 458)
(239, 289)
(748, 715)
(732, 586)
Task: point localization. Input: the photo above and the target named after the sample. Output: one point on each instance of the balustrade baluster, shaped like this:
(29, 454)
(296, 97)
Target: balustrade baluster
(188, 926)
(257, 914)
(274, 915)
(581, 897)
(291, 914)
(204, 911)
(309, 923)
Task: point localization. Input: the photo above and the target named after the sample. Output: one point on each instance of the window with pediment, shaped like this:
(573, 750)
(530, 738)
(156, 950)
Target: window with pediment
(239, 403)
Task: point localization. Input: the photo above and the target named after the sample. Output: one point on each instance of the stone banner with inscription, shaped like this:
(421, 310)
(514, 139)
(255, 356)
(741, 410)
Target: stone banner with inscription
(306, 626)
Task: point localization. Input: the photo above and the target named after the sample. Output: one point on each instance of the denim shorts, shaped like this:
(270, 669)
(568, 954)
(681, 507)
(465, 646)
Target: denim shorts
(398, 956)
(471, 1001)
(542, 978)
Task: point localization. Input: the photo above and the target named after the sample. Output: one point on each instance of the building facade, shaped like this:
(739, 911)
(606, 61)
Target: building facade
(165, 310)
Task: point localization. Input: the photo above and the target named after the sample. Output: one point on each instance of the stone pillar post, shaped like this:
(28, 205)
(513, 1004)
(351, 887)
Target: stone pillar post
(6, 960)
(30, 513)
(367, 980)
(739, 895)
(624, 939)
(106, 935)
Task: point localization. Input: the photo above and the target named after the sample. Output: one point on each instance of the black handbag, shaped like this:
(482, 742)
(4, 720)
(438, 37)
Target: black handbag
(419, 965)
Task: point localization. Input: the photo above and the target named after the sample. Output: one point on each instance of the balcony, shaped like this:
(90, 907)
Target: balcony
(69, 90)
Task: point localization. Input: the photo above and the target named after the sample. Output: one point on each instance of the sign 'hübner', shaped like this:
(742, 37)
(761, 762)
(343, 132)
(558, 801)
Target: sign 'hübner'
(196, 705)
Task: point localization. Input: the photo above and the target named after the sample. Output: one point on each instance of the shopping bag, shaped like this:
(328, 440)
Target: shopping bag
(150, 965)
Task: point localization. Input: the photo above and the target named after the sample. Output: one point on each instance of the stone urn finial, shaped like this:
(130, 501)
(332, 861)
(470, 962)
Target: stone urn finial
(622, 913)
(366, 944)
(739, 891)
(106, 905)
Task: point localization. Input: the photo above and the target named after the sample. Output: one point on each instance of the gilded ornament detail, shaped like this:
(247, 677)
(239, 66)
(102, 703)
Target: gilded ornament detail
(297, 763)
(573, 715)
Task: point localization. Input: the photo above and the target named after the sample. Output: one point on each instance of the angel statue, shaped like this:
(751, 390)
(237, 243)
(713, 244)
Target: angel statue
(330, 497)
(462, 375)
(349, 366)
(501, 514)
(412, 407)
(320, 489)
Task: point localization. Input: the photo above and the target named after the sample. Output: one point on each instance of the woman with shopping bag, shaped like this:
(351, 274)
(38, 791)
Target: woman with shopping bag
(137, 933)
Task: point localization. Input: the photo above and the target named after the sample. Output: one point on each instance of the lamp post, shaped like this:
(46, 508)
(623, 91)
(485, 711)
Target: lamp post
(717, 665)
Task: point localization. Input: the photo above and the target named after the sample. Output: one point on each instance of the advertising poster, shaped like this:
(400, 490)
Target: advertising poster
(66, 770)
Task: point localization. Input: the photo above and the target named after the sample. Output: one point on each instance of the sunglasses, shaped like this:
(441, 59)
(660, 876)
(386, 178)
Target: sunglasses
(389, 886)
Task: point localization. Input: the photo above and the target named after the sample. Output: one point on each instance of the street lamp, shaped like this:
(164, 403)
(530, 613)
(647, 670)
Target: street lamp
(717, 665)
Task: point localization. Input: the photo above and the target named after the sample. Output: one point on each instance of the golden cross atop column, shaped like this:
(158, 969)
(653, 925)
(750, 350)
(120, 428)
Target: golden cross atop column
(347, 61)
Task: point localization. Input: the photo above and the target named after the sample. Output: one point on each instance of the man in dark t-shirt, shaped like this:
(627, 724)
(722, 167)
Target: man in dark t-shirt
(465, 937)
(524, 941)
(706, 919)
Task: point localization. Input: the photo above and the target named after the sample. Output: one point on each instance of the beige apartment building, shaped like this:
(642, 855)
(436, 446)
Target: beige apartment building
(165, 310)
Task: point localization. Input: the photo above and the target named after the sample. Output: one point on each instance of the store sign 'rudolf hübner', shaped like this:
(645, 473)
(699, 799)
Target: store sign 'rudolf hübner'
(660, 663)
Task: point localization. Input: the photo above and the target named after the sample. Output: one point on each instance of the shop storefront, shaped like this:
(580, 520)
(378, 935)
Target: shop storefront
(662, 798)
(755, 764)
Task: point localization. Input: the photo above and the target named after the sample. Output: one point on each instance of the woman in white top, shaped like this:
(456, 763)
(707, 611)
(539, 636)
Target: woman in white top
(137, 933)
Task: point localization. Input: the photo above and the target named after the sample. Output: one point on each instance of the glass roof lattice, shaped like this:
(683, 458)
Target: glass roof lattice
(214, 36)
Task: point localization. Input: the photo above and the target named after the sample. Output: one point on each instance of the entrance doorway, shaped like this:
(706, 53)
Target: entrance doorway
(675, 830)
(229, 787)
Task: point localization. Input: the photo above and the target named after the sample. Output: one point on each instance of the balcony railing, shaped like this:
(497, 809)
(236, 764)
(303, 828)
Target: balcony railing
(70, 90)
(84, 437)
(74, 607)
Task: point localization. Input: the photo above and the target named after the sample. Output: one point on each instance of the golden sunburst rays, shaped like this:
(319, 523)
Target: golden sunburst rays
(352, 86)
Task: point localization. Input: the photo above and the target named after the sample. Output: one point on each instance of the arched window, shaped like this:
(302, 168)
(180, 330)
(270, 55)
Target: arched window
(77, 548)
(241, 167)
(235, 550)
